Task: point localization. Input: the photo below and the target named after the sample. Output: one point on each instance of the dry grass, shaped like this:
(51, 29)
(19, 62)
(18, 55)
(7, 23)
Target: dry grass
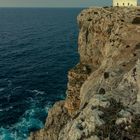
(111, 131)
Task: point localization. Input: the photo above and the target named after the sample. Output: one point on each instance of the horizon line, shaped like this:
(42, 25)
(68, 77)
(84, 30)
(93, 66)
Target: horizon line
(50, 7)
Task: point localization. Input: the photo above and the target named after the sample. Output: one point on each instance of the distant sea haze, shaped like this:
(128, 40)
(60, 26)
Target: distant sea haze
(37, 48)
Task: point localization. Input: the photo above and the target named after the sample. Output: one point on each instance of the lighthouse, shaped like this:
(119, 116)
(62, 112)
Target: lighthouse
(126, 3)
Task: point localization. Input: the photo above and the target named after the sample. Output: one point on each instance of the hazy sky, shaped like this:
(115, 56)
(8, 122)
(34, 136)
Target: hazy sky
(54, 3)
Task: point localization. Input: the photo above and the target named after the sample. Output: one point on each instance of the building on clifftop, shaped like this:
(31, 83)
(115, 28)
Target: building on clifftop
(125, 2)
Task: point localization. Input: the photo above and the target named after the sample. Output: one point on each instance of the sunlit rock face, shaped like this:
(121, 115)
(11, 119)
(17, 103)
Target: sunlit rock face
(103, 94)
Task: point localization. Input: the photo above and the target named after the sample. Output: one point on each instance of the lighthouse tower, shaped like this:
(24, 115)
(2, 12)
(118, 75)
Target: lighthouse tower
(125, 3)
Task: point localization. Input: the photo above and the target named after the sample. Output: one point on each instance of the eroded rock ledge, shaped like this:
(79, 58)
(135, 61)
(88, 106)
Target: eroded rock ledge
(103, 94)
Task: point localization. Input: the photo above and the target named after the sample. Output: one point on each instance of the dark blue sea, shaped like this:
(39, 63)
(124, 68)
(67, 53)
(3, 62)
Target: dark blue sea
(37, 48)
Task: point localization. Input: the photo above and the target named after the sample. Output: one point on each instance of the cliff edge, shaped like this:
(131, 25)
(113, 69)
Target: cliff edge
(103, 94)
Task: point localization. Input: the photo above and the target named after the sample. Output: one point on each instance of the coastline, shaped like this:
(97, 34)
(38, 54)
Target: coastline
(103, 92)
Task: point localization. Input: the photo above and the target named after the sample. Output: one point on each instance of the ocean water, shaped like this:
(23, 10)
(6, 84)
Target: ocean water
(37, 48)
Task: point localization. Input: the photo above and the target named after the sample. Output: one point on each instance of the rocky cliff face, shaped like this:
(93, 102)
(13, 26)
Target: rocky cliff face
(103, 95)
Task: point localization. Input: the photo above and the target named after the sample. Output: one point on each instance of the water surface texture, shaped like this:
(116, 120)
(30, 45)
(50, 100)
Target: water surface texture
(37, 48)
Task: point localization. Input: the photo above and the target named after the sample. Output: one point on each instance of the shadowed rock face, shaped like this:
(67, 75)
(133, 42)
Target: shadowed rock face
(103, 94)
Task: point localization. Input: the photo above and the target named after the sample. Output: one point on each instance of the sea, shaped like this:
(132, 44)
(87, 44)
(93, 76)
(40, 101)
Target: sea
(37, 48)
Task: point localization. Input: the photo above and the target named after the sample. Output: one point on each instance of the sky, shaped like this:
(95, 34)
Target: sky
(54, 3)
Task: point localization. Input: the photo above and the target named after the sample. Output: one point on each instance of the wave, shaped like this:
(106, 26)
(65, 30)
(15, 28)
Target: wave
(5, 134)
(2, 89)
(30, 121)
(6, 109)
(37, 92)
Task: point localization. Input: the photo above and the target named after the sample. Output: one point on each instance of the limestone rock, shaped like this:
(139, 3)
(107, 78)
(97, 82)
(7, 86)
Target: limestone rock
(103, 94)
(57, 118)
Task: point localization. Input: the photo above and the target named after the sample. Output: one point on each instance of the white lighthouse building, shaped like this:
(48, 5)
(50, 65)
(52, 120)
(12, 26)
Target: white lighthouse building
(125, 2)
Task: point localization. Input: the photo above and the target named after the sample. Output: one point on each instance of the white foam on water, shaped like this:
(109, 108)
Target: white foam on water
(31, 120)
(17, 87)
(2, 89)
(37, 92)
(5, 134)
(28, 122)
(6, 109)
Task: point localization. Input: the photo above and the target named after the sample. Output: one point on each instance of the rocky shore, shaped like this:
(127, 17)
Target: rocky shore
(103, 94)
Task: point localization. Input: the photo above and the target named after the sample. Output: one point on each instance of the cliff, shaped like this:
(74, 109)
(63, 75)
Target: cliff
(103, 94)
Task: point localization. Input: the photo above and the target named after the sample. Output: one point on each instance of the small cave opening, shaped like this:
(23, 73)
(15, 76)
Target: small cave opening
(137, 46)
(102, 91)
(127, 46)
(134, 54)
(79, 126)
(89, 19)
(126, 138)
(136, 20)
(106, 75)
(95, 13)
(87, 33)
(124, 65)
(134, 70)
